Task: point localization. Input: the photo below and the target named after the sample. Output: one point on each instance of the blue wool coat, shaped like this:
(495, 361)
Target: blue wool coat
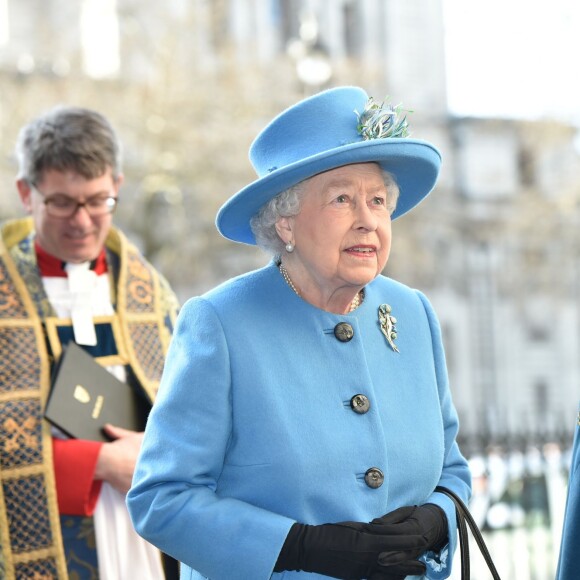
(253, 429)
(570, 546)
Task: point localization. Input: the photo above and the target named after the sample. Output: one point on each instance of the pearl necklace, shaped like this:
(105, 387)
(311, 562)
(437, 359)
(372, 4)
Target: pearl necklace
(356, 302)
(286, 277)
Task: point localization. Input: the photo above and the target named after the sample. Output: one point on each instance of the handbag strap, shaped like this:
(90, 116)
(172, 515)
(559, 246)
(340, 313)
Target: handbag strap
(464, 517)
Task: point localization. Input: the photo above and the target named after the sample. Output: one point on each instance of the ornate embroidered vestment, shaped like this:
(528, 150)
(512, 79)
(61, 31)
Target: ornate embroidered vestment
(30, 535)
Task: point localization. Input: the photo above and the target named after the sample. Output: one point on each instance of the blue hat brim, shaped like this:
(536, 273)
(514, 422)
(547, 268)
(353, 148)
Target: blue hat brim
(414, 163)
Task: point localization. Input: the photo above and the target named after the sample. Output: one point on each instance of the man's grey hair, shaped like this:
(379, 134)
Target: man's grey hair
(288, 204)
(68, 139)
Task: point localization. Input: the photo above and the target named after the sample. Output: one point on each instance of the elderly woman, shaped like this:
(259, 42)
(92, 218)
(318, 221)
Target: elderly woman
(304, 418)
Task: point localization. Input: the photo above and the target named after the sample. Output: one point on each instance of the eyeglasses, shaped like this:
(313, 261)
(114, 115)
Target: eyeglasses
(64, 207)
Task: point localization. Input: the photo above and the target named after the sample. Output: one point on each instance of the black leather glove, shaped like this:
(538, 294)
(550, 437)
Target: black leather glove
(351, 550)
(428, 521)
(399, 571)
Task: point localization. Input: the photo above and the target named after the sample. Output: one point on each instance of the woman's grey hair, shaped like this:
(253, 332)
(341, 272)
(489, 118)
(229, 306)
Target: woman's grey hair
(68, 139)
(288, 204)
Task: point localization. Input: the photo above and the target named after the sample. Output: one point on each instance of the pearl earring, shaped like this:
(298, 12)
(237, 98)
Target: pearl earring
(289, 247)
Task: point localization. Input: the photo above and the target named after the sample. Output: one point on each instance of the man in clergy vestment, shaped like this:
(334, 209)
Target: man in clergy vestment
(67, 274)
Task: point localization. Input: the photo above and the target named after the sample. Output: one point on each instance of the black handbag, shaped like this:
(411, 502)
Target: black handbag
(464, 519)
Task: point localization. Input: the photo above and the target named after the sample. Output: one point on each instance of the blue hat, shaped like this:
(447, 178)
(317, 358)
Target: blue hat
(324, 132)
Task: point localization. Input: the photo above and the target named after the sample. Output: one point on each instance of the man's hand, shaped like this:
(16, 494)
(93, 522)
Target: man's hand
(116, 462)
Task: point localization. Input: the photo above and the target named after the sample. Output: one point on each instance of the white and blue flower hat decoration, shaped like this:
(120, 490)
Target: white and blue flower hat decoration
(333, 128)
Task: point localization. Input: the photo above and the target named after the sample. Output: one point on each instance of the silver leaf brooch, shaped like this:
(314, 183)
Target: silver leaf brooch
(382, 121)
(387, 323)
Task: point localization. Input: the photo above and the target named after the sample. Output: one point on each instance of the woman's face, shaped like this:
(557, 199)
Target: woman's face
(342, 234)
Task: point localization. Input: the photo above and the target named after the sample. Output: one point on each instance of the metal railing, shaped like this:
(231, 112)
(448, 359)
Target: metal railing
(519, 495)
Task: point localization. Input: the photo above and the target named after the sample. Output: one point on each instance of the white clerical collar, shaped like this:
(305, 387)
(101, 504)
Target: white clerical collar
(81, 281)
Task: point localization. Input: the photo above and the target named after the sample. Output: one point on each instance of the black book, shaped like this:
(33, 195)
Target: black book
(85, 396)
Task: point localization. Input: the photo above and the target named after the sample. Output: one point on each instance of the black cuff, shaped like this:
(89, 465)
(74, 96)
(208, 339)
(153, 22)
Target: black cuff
(289, 557)
(441, 530)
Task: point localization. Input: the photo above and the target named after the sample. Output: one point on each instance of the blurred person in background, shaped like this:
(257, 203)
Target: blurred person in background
(304, 418)
(570, 544)
(68, 275)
